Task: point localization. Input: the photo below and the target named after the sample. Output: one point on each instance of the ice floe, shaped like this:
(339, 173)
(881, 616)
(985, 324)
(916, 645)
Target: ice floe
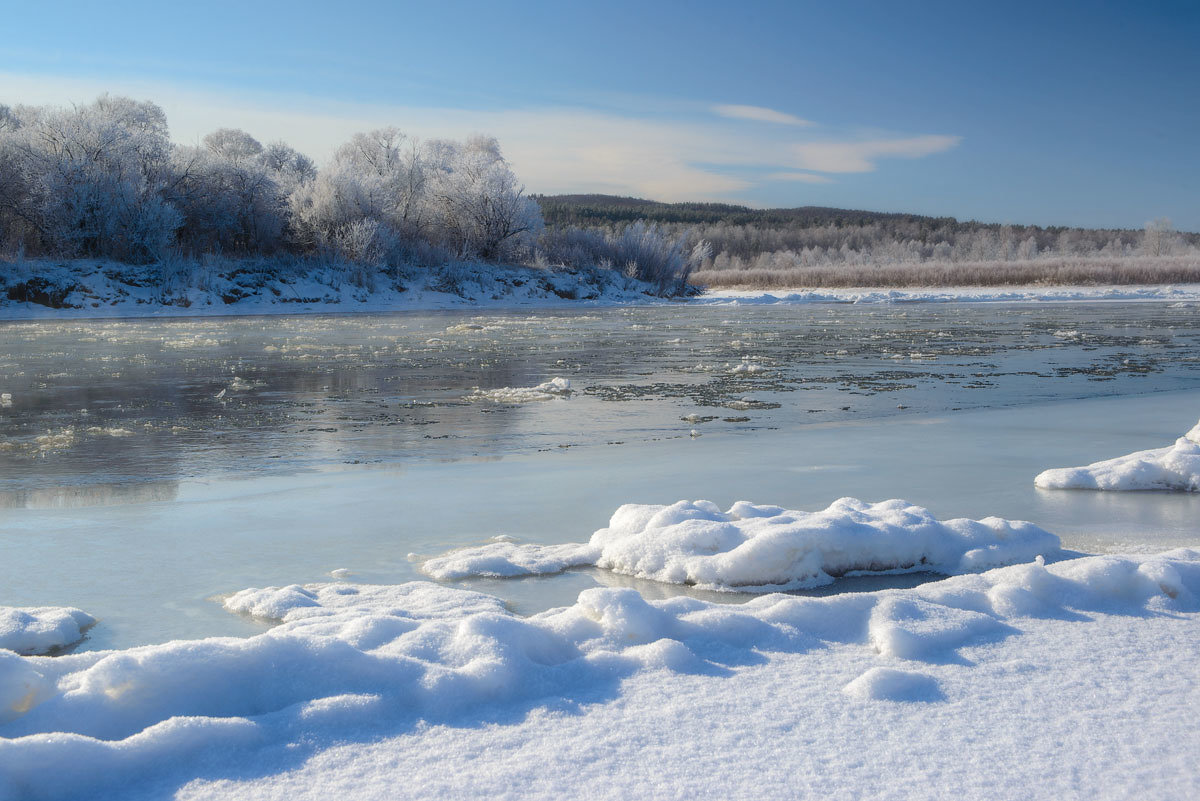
(350, 663)
(754, 548)
(548, 390)
(1176, 467)
(41, 629)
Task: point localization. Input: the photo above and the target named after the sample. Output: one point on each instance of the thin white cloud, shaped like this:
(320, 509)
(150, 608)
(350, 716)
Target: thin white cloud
(759, 114)
(861, 156)
(800, 177)
(553, 149)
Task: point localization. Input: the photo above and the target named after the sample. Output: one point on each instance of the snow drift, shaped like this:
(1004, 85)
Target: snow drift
(351, 660)
(752, 548)
(1176, 467)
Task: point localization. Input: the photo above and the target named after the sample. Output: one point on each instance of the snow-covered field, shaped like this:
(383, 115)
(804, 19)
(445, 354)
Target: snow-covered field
(1184, 293)
(1075, 679)
(1175, 467)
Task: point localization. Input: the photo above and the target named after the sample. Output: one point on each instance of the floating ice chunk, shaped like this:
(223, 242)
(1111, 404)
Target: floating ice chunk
(753, 548)
(888, 684)
(109, 431)
(746, 367)
(1176, 467)
(549, 390)
(5, 399)
(41, 629)
(55, 440)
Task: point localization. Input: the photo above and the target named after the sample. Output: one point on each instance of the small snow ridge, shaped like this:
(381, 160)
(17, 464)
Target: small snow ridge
(549, 390)
(889, 684)
(41, 629)
(1176, 468)
(752, 548)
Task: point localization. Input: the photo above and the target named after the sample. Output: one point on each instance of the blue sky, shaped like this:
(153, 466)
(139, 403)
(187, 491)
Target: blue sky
(1052, 113)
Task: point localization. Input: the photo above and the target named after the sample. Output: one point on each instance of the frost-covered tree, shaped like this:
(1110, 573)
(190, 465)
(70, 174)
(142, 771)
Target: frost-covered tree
(93, 178)
(1159, 238)
(229, 197)
(376, 177)
(482, 210)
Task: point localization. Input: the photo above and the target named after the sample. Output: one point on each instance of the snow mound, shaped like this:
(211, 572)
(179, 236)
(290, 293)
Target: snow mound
(549, 390)
(1176, 467)
(889, 684)
(41, 629)
(753, 548)
(342, 664)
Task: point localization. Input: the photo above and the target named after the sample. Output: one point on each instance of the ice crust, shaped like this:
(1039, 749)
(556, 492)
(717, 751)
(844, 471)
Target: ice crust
(41, 629)
(753, 548)
(1176, 468)
(354, 662)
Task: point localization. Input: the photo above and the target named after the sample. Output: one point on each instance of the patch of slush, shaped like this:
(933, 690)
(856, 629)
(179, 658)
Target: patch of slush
(344, 666)
(548, 390)
(1176, 468)
(753, 548)
(41, 629)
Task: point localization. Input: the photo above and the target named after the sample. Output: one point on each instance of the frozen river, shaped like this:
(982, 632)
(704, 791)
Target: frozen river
(148, 467)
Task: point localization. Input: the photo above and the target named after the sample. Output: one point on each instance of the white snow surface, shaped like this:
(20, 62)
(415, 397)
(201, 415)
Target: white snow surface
(1075, 679)
(958, 294)
(41, 629)
(753, 548)
(1176, 467)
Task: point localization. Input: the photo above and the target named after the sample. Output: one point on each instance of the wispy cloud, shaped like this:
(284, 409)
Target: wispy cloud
(861, 156)
(800, 177)
(759, 114)
(554, 149)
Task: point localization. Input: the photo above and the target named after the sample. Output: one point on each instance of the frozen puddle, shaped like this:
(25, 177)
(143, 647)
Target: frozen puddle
(752, 548)
(350, 662)
(1176, 467)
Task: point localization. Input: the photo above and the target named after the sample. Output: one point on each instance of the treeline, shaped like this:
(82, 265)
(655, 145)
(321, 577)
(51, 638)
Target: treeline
(740, 238)
(104, 180)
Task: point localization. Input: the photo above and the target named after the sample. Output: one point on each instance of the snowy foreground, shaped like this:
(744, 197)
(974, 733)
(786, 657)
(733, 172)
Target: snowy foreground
(1176, 467)
(1076, 679)
(753, 548)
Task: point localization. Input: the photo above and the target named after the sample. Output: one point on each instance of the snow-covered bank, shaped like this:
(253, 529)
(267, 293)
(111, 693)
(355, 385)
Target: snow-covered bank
(90, 288)
(41, 629)
(367, 665)
(1186, 293)
(1176, 467)
(753, 548)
